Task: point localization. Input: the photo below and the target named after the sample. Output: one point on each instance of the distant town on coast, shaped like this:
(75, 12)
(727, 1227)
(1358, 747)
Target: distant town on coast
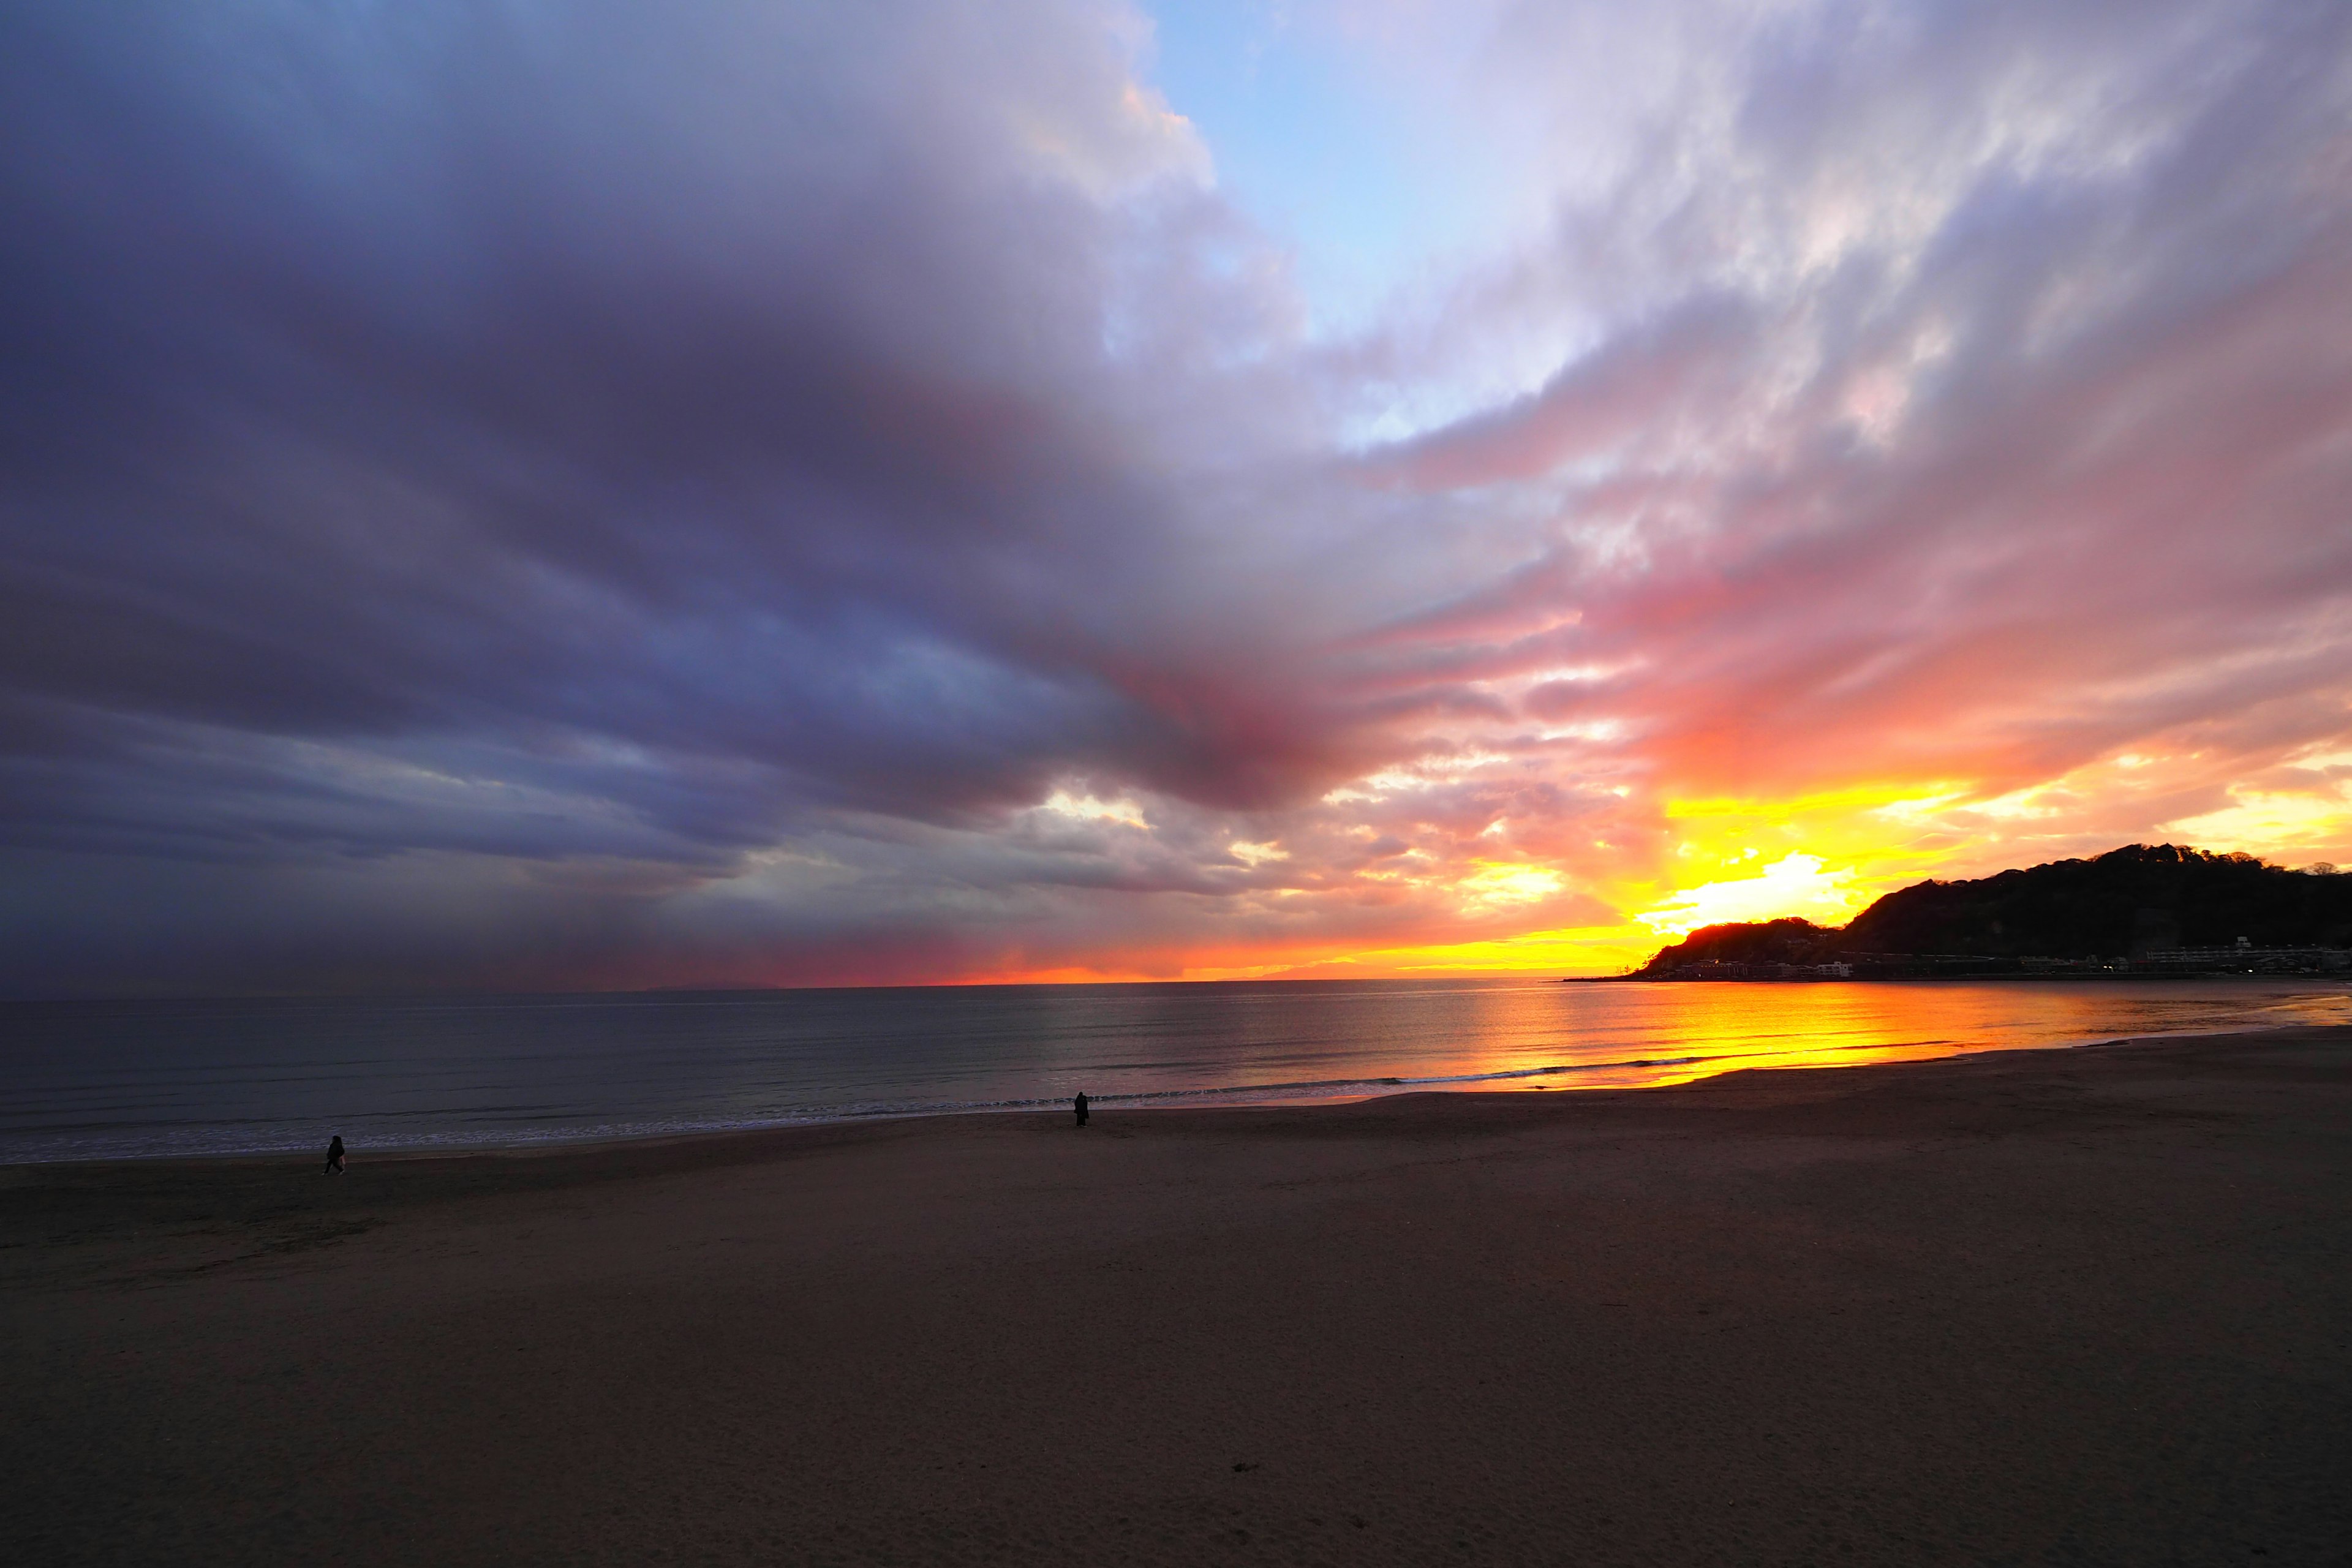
(2141, 912)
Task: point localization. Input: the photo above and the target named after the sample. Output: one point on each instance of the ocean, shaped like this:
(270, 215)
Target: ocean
(85, 1081)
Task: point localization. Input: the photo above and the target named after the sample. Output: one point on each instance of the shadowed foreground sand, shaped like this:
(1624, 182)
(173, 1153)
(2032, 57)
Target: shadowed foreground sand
(2040, 1307)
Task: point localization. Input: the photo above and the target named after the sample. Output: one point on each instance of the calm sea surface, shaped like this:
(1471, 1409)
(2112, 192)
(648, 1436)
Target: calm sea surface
(99, 1080)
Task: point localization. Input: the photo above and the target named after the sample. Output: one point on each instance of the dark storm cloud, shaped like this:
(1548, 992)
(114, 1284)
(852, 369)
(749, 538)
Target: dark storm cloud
(728, 386)
(549, 432)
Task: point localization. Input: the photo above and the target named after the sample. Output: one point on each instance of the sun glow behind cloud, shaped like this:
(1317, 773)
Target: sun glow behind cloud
(2289, 826)
(1796, 884)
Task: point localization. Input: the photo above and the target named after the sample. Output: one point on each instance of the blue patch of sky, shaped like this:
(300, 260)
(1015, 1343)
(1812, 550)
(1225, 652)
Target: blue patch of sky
(1369, 188)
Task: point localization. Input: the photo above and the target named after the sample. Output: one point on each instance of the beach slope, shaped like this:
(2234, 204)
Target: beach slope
(2086, 1305)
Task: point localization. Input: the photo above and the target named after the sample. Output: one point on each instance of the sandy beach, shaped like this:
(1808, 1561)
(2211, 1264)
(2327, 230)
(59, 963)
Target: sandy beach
(2071, 1306)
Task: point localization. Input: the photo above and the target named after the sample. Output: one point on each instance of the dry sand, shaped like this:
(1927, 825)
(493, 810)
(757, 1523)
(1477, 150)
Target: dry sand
(2081, 1306)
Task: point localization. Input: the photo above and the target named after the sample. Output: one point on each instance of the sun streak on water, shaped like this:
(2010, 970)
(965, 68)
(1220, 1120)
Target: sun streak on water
(1721, 1027)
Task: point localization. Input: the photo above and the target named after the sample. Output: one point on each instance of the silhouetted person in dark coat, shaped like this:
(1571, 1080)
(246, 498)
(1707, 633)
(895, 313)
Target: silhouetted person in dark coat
(1080, 1106)
(335, 1157)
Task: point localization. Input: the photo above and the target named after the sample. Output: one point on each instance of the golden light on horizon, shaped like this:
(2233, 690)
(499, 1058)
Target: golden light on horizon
(1601, 897)
(1796, 884)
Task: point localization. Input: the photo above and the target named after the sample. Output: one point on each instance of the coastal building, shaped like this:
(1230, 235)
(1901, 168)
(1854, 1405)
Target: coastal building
(2244, 958)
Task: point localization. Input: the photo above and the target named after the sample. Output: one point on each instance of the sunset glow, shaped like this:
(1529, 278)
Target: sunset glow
(1106, 490)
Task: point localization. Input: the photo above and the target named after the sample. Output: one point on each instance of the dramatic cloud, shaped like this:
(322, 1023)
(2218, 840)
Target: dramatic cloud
(547, 495)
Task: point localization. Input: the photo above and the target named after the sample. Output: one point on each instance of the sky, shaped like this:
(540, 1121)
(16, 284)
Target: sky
(581, 495)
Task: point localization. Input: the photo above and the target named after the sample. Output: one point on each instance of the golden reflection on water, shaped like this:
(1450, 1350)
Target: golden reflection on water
(1620, 1034)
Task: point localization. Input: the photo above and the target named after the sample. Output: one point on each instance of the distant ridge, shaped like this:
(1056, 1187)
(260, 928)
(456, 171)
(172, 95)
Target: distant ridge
(2122, 906)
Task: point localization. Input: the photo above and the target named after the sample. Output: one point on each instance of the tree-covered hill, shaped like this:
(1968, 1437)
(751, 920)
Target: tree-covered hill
(2128, 900)
(1787, 941)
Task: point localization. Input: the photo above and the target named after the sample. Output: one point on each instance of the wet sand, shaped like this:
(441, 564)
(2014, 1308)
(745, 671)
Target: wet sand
(2077, 1306)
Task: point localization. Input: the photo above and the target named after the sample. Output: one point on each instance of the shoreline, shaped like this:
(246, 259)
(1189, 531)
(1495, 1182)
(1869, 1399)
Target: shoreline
(1735, 1087)
(1127, 1104)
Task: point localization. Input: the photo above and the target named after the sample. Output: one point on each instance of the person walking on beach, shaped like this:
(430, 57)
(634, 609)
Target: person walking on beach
(1080, 1106)
(334, 1157)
